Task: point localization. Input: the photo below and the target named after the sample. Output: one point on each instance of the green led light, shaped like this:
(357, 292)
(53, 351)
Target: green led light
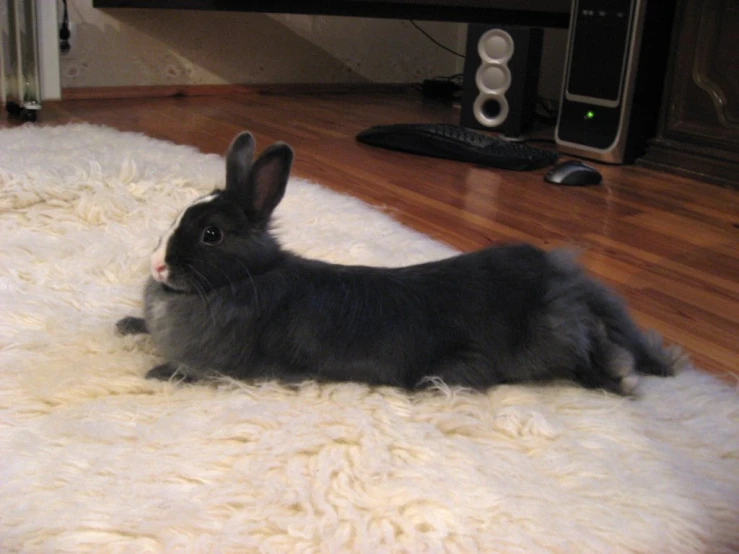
(590, 114)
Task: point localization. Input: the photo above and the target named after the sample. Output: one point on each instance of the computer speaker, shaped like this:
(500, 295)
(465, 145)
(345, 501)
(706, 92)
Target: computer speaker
(501, 77)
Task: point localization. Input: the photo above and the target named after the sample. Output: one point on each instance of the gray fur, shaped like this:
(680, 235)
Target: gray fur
(246, 308)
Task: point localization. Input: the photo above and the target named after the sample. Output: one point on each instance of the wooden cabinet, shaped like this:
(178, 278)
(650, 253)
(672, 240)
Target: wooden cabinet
(698, 133)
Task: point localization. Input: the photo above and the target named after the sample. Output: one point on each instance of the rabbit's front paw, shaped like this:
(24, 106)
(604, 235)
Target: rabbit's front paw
(131, 326)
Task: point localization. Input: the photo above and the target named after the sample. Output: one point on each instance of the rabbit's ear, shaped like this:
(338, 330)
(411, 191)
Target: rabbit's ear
(239, 161)
(268, 180)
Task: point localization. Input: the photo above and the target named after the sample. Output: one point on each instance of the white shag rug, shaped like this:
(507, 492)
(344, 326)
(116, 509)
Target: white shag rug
(93, 458)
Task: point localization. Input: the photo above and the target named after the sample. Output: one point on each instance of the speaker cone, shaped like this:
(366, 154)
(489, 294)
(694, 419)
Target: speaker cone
(493, 77)
(495, 46)
(490, 109)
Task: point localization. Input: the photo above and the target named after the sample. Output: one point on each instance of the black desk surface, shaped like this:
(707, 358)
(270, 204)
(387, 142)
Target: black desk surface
(534, 13)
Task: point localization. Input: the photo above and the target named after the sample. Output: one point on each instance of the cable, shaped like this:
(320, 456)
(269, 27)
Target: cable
(64, 32)
(452, 78)
(549, 107)
(546, 111)
(436, 42)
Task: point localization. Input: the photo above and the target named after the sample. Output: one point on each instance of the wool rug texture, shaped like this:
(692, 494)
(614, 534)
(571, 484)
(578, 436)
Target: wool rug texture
(94, 458)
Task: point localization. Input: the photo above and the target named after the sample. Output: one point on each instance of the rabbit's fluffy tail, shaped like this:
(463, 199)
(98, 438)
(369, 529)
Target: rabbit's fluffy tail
(646, 349)
(623, 348)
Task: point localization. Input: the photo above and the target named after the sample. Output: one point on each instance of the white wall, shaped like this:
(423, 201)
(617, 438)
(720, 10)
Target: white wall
(130, 47)
(158, 47)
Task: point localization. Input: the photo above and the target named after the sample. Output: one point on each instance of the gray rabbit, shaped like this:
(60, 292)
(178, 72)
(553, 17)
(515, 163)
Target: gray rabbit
(225, 299)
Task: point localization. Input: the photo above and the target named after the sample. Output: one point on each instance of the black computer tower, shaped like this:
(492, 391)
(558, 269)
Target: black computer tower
(614, 77)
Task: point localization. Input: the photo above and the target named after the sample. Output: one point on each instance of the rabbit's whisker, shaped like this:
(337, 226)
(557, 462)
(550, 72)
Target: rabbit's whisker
(253, 284)
(201, 293)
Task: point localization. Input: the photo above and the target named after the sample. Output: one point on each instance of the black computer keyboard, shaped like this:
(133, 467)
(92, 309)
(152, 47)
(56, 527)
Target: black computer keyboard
(457, 143)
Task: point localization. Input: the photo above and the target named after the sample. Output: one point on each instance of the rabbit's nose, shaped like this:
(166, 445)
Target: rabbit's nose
(158, 267)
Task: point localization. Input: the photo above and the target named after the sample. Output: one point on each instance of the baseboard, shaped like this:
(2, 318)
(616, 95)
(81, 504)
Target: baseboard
(697, 162)
(164, 91)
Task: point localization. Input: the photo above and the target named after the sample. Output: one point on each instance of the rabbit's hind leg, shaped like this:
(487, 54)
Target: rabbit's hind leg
(610, 367)
(171, 372)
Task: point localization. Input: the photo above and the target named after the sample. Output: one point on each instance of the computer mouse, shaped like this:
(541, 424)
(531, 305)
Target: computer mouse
(573, 173)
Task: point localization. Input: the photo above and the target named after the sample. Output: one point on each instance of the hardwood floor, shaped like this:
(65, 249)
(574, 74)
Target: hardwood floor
(669, 245)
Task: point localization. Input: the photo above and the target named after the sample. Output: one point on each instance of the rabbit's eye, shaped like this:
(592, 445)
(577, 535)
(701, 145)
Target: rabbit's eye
(212, 235)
